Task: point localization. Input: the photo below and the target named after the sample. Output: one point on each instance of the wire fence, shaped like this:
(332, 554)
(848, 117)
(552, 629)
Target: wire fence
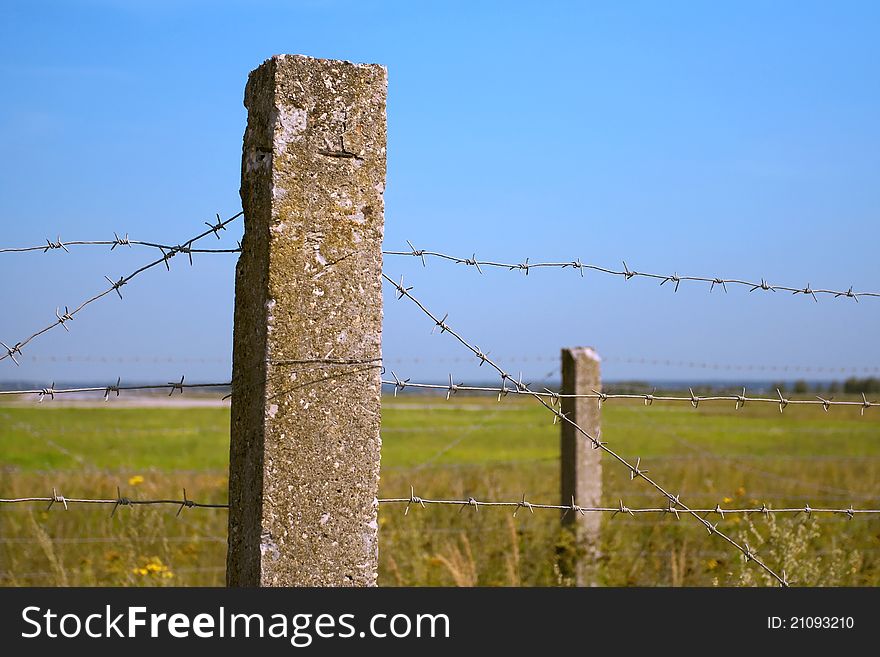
(674, 509)
(116, 502)
(61, 319)
(626, 273)
(553, 359)
(550, 400)
(518, 388)
(185, 247)
(635, 469)
(114, 388)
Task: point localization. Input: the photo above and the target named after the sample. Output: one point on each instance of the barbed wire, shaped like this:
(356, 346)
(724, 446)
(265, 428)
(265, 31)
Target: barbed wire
(621, 508)
(514, 358)
(648, 399)
(452, 388)
(68, 315)
(171, 386)
(636, 471)
(675, 279)
(58, 244)
(118, 501)
(415, 500)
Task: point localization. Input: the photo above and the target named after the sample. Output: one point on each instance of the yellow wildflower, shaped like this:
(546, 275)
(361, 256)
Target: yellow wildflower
(153, 567)
(135, 480)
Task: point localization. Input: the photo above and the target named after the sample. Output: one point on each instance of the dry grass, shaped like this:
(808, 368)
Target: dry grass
(709, 456)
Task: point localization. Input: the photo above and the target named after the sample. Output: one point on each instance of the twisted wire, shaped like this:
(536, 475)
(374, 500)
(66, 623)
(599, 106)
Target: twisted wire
(415, 500)
(626, 273)
(171, 386)
(68, 315)
(601, 397)
(621, 508)
(116, 502)
(58, 244)
(636, 471)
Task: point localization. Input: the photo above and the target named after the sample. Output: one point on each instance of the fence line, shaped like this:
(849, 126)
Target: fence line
(648, 399)
(502, 391)
(117, 241)
(171, 386)
(627, 274)
(635, 469)
(117, 502)
(68, 315)
(524, 358)
(522, 503)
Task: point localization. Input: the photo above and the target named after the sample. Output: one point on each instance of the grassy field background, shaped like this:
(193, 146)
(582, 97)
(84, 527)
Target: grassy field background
(469, 446)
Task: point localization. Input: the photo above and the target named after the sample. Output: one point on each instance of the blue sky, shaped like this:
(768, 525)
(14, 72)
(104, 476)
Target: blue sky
(739, 140)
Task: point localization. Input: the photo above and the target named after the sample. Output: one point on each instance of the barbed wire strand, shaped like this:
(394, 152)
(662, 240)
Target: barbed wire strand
(627, 273)
(58, 244)
(415, 500)
(118, 501)
(636, 471)
(601, 397)
(523, 358)
(621, 508)
(171, 386)
(451, 388)
(68, 315)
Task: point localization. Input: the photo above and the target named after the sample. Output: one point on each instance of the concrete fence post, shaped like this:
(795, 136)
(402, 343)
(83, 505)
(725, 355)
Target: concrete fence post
(304, 453)
(581, 473)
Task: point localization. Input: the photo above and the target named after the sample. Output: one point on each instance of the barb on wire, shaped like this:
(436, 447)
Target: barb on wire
(115, 286)
(516, 505)
(172, 387)
(626, 273)
(116, 502)
(124, 241)
(649, 398)
(594, 440)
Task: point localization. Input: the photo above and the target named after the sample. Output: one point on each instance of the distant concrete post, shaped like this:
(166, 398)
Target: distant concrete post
(581, 468)
(304, 454)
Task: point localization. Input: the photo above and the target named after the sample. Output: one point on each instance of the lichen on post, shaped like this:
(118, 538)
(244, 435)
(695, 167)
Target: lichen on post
(304, 454)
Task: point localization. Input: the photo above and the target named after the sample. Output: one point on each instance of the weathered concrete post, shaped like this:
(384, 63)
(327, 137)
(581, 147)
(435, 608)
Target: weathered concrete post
(304, 454)
(581, 467)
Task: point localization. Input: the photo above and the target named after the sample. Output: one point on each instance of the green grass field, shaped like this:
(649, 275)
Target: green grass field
(470, 446)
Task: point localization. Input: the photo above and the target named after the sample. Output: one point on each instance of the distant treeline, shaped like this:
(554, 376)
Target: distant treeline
(852, 386)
